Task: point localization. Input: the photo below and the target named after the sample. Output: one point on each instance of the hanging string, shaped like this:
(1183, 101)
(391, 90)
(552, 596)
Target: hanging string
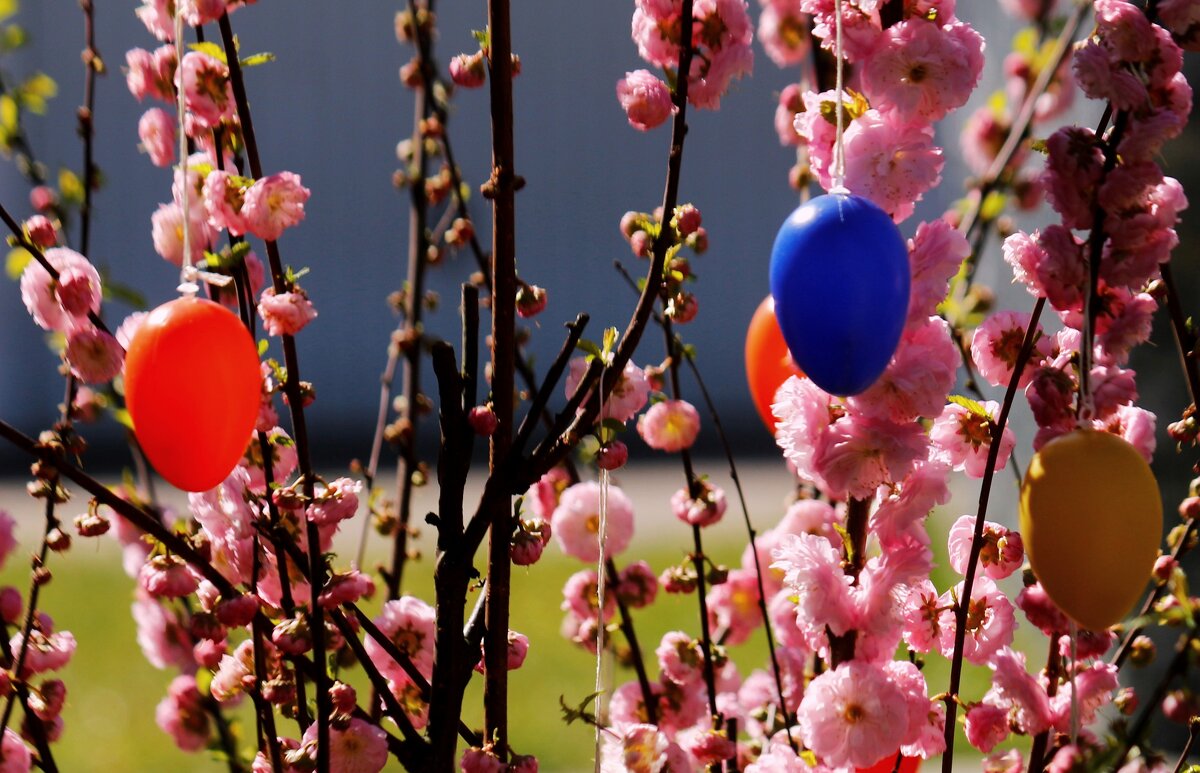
(839, 150)
(187, 273)
(601, 576)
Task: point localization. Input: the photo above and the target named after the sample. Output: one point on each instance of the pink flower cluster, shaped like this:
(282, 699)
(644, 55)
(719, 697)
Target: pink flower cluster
(63, 305)
(721, 35)
(911, 75)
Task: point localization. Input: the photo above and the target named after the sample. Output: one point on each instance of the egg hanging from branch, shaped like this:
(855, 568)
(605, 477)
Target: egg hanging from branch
(192, 387)
(840, 279)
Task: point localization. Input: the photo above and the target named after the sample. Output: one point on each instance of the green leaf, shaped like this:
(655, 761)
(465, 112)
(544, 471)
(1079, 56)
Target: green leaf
(262, 346)
(10, 113)
(212, 49)
(8, 8)
(18, 258)
(974, 406)
(580, 712)
(1039, 146)
(13, 37)
(35, 91)
(254, 60)
(70, 186)
(852, 108)
(125, 420)
(610, 340)
(610, 428)
(993, 206)
(584, 345)
(483, 38)
(293, 276)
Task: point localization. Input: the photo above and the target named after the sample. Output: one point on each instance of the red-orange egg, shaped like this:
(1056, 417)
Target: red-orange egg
(1091, 520)
(768, 361)
(192, 386)
(888, 764)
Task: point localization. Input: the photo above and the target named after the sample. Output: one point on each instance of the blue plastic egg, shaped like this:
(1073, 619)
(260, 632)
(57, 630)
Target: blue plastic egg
(840, 278)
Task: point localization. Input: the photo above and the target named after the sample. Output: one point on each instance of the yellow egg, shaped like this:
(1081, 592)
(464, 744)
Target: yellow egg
(1091, 519)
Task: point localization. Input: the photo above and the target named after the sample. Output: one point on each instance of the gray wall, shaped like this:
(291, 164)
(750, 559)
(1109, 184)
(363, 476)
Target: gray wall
(331, 109)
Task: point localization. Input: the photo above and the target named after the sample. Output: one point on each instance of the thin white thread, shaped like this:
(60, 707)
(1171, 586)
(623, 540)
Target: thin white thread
(187, 272)
(839, 150)
(601, 576)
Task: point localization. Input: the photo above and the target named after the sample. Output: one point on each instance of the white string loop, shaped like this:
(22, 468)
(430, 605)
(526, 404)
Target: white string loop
(839, 149)
(188, 274)
(601, 577)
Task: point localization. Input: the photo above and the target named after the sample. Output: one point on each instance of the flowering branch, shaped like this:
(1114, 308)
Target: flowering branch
(93, 64)
(985, 490)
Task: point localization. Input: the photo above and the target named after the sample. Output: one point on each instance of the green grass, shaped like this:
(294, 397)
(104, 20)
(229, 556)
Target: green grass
(113, 690)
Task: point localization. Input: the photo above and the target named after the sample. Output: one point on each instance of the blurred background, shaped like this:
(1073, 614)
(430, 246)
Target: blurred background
(331, 108)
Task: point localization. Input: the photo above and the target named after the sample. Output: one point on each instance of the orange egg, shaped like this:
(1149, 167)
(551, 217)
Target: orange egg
(1091, 519)
(768, 361)
(888, 764)
(192, 386)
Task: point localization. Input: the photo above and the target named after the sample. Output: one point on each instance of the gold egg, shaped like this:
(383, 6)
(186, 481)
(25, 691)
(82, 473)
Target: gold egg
(1091, 519)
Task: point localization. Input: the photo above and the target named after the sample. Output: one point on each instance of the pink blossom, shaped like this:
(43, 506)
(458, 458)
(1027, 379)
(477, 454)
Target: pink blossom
(140, 76)
(983, 137)
(359, 747)
(1018, 692)
(1101, 76)
(791, 103)
(778, 758)
(935, 253)
(962, 437)
(1002, 554)
(45, 302)
(990, 621)
(274, 204)
(224, 196)
(129, 327)
(468, 70)
(158, 18)
(1095, 683)
(859, 454)
(335, 502)
(206, 89)
(1123, 27)
(518, 649)
(167, 575)
(286, 313)
(345, 588)
(705, 509)
(733, 606)
(529, 541)
(853, 715)
(861, 26)
(14, 753)
(916, 381)
(1182, 18)
(922, 617)
(645, 99)
(804, 412)
(890, 163)
(197, 12)
(8, 539)
(1074, 167)
(680, 658)
(642, 749)
(922, 71)
(816, 133)
(1041, 611)
(580, 596)
(95, 356)
(45, 651)
(1136, 426)
(41, 231)
(1010, 761)
(408, 623)
(576, 521)
(997, 342)
(156, 130)
(986, 726)
(670, 425)
(783, 32)
(77, 292)
(627, 397)
(812, 571)
(181, 715)
(637, 585)
(164, 640)
(900, 515)
(167, 230)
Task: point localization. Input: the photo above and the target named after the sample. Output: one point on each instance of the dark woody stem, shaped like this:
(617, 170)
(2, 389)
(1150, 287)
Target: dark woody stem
(295, 400)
